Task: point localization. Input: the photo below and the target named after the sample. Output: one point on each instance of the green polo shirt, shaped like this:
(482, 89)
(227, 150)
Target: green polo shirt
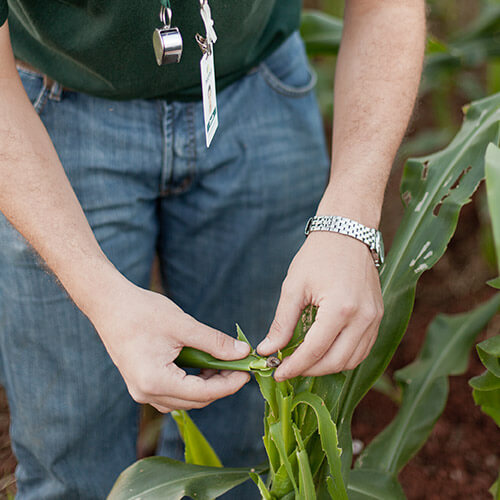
(104, 47)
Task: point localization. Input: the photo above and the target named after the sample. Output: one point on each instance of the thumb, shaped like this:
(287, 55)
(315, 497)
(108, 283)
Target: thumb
(216, 343)
(287, 314)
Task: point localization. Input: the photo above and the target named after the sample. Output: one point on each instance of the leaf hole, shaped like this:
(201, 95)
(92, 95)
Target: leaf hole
(425, 170)
(455, 185)
(438, 206)
(460, 177)
(407, 197)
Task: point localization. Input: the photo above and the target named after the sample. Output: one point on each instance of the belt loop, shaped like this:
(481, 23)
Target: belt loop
(53, 88)
(55, 92)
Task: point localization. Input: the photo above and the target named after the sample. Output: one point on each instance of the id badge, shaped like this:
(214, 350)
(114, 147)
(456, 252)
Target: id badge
(209, 95)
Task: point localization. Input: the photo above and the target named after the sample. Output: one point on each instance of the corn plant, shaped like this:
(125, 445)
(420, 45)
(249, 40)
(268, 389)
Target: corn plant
(307, 420)
(486, 387)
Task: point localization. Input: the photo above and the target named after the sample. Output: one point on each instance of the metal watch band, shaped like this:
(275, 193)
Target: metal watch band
(369, 236)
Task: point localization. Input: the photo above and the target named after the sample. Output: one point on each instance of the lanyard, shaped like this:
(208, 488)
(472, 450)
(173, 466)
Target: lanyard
(168, 45)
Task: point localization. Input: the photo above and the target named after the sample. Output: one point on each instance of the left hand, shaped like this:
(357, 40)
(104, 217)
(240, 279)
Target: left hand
(337, 274)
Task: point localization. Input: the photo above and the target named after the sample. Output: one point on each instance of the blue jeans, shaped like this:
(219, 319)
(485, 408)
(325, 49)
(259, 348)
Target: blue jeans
(225, 222)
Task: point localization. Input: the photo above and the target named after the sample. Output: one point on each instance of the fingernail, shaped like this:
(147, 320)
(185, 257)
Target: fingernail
(265, 343)
(241, 347)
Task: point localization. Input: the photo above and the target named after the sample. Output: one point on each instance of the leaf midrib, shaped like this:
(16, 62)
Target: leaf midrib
(424, 386)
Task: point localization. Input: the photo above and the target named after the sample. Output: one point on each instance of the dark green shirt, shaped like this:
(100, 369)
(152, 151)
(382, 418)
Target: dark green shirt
(104, 47)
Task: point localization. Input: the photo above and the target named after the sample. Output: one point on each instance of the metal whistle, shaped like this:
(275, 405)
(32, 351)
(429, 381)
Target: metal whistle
(167, 41)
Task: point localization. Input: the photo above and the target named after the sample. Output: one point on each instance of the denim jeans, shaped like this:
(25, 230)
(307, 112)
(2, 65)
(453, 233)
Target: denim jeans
(224, 221)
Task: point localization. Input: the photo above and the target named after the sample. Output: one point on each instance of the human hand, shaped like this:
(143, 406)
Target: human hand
(337, 274)
(144, 332)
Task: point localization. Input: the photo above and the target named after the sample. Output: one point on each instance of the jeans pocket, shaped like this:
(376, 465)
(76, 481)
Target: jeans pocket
(36, 88)
(287, 70)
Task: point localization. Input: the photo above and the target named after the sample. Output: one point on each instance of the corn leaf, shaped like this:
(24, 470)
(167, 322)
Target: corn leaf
(486, 387)
(486, 394)
(197, 449)
(321, 32)
(306, 484)
(425, 387)
(328, 436)
(434, 189)
(266, 495)
(492, 173)
(241, 336)
(489, 354)
(366, 484)
(158, 478)
(276, 434)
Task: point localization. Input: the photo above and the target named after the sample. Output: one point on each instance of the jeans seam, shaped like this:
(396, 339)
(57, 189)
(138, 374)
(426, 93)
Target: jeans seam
(282, 88)
(41, 99)
(192, 140)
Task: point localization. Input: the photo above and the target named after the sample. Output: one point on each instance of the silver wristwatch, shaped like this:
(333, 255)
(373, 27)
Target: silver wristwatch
(369, 236)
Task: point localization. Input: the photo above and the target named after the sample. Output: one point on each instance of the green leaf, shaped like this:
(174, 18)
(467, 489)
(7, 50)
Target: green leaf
(492, 173)
(193, 358)
(321, 32)
(489, 401)
(385, 386)
(306, 482)
(444, 181)
(328, 436)
(489, 354)
(158, 478)
(197, 449)
(241, 336)
(366, 484)
(495, 283)
(495, 489)
(276, 434)
(485, 382)
(425, 387)
(487, 386)
(266, 495)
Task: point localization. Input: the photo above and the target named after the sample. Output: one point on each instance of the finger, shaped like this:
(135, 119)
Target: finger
(206, 373)
(288, 312)
(216, 343)
(359, 352)
(161, 409)
(339, 353)
(179, 404)
(317, 342)
(370, 345)
(192, 388)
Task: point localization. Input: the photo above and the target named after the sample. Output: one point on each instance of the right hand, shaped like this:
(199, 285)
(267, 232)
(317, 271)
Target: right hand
(144, 333)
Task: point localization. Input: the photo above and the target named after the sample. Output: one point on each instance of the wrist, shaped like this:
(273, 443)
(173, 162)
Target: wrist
(94, 285)
(362, 212)
(359, 200)
(371, 237)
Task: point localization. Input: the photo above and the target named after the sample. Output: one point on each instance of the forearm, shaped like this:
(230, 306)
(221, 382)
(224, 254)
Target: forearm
(37, 198)
(377, 77)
